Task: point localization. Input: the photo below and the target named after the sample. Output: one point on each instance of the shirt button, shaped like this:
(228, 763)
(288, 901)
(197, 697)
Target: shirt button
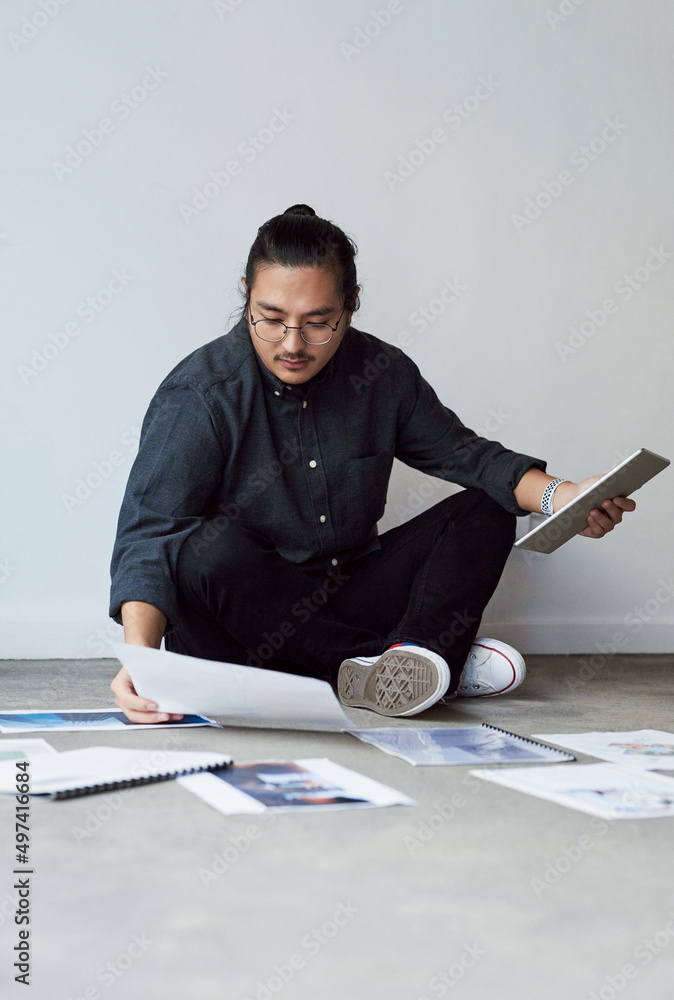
(304, 404)
(276, 392)
(334, 562)
(322, 518)
(312, 464)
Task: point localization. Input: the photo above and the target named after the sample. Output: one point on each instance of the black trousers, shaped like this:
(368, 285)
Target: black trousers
(241, 602)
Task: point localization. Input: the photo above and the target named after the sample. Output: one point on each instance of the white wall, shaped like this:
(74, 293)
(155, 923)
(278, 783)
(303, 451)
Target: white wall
(360, 95)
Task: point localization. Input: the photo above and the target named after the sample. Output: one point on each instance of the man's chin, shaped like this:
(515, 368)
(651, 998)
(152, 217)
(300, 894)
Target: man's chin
(294, 374)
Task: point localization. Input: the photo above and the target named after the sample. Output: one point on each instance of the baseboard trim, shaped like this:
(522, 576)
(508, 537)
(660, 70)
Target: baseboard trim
(91, 640)
(584, 636)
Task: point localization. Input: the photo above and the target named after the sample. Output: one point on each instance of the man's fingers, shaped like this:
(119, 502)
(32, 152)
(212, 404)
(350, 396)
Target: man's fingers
(625, 503)
(145, 718)
(613, 511)
(136, 708)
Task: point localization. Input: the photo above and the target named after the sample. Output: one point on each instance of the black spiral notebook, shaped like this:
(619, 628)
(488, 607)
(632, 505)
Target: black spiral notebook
(459, 745)
(101, 769)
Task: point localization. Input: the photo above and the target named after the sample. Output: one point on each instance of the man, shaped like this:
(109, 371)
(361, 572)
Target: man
(248, 528)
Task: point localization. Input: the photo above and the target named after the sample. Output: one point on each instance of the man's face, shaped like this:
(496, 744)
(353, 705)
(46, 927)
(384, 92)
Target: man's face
(296, 296)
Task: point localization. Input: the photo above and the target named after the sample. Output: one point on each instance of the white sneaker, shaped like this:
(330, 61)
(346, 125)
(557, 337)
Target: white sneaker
(491, 668)
(404, 680)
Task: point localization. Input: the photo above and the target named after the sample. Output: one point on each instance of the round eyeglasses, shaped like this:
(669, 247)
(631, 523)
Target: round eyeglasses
(311, 333)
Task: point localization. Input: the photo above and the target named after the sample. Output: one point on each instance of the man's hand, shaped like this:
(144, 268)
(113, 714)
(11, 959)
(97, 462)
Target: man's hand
(135, 708)
(600, 520)
(143, 626)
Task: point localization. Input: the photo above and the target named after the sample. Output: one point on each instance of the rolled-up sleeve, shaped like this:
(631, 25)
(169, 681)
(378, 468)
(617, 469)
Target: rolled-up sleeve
(431, 438)
(178, 467)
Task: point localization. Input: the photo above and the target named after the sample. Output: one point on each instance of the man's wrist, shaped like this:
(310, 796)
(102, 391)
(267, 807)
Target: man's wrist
(565, 493)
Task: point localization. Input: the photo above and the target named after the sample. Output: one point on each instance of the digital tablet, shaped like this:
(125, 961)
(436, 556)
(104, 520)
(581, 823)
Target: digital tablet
(570, 520)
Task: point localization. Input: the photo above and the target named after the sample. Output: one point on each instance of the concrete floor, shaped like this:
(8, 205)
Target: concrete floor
(449, 887)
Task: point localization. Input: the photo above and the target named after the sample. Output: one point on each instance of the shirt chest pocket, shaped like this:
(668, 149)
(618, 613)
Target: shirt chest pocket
(367, 482)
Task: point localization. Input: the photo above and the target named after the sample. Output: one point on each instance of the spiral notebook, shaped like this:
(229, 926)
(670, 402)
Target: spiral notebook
(100, 769)
(459, 745)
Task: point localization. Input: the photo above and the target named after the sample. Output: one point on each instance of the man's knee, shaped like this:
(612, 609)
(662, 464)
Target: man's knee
(480, 506)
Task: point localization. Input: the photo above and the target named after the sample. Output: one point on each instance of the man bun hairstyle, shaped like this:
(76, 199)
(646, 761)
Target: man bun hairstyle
(300, 210)
(300, 238)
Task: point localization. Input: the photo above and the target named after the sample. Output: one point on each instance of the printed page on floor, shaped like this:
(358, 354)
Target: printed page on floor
(459, 745)
(23, 720)
(603, 790)
(23, 749)
(239, 694)
(280, 785)
(649, 749)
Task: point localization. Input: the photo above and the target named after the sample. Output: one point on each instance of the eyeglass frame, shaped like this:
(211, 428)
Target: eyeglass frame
(300, 328)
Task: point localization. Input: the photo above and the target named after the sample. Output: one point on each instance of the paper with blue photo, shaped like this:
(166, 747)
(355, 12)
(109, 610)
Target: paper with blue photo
(240, 694)
(457, 745)
(21, 720)
(288, 785)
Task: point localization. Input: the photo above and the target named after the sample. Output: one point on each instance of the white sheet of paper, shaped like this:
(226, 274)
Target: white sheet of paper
(228, 799)
(101, 765)
(179, 683)
(23, 749)
(648, 749)
(604, 790)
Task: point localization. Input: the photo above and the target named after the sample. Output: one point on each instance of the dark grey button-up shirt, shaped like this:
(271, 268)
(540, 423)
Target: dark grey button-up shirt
(306, 464)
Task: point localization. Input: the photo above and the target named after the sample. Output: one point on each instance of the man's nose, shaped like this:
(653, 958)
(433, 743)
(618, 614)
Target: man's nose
(292, 342)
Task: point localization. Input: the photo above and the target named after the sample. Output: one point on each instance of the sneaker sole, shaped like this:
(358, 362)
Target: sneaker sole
(398, 683)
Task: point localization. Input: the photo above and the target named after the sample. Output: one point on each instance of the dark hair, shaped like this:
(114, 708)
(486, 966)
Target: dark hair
(300, 238)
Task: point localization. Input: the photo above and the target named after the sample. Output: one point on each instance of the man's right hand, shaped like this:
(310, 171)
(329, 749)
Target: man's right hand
(135, 708)
(143, 626)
